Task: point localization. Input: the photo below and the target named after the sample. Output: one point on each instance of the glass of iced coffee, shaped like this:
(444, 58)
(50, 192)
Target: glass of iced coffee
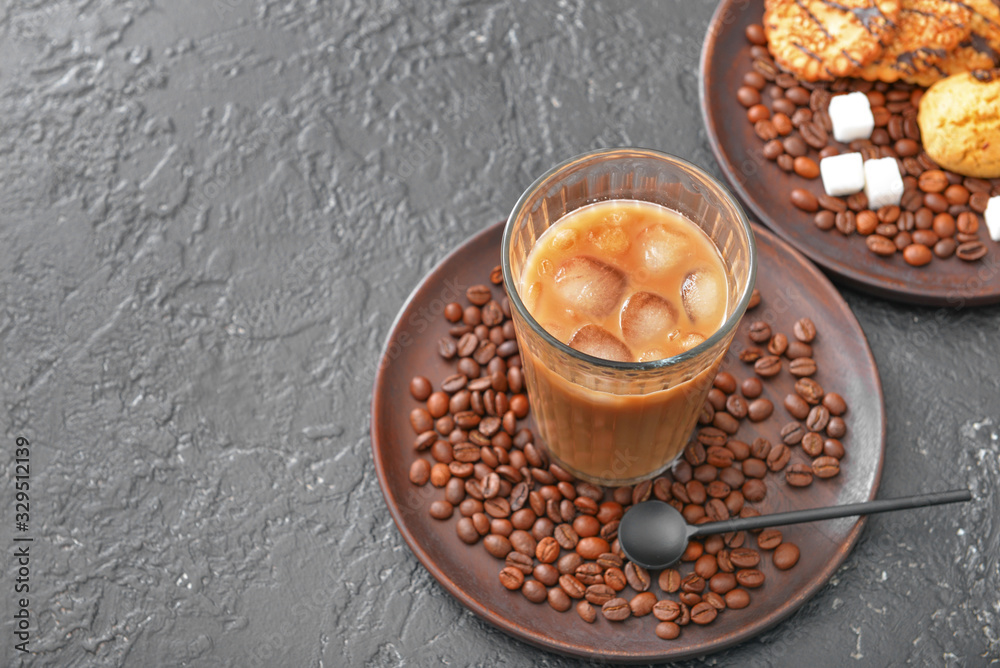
(627, 270)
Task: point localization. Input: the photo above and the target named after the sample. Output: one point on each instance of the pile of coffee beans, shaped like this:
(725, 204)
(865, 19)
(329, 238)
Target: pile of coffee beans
(555, 538)
(939, 214)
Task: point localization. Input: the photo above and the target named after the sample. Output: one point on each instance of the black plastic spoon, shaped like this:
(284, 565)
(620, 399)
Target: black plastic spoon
(654, 535)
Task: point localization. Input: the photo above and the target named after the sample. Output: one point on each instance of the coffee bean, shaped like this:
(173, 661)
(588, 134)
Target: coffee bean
(804, 330)
(568, 563)
(737, 599)
(750, 578)
(744, 557)
(758, 113)
(810, 390)
(454, 493)
(670, 580)
(572, 586)
(725, 382)
(740, 452)
(479, 294)
(785, 556)
(802, 366)
(792, 433)
(534, 591)
(726, 422)
(614, 577)
(805, 167)
(710, 436)
(967, 222)
(707, 472)
(668, 630)
(637, 576)
(796, 406)
(778, 458)
(768, 539)
(768, 366)
(826, 467)
(547, 550)
(559, 600)
(825, 220)
(689, 599)
(616, 610)
(420, 388)
(760, 448)
(751, 388)
(642, 604)
(765, 129)
(754, 489)
(718, 456)
(970, 251)
(566, 536)
(845, 222)
(420, 472)
(880, 245)
(511, 578)
(773, 149)
(441, 510)
(818, 418)
(750, 354)
(812, 444)
(917, 254)
(803, 199)
(748, 96)
(472, 316)
(832, 447)
(586, 526)
(703, 613)
(496, 545)
(492, 314)
(944, 248)
(814, 134)
(799, 475)
(453, 312)
(796, 349)
(421, 420)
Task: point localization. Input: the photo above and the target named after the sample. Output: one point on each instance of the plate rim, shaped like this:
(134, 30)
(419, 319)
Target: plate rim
(532, 637)
(899, 290)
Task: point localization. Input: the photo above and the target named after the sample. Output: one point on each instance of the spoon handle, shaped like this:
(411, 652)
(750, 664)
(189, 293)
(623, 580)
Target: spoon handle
(830, 512)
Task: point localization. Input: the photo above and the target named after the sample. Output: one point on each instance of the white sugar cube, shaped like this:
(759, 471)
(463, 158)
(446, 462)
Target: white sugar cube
(883, 183)
(992, 216)
(852, 117)
(843, 174)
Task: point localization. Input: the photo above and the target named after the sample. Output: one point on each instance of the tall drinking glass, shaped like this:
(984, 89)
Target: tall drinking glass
(616, 423)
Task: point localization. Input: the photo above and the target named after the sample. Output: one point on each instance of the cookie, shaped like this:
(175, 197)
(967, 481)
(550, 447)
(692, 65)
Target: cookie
(926, 32)
(980, 50)
(959, 124)
(822, 39)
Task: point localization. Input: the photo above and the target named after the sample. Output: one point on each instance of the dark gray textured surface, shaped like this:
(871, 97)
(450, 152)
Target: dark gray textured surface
(211, 213)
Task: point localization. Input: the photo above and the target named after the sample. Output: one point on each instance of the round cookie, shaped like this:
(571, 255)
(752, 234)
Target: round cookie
(979, 51)
(926, 33)
(959, 124)
(822, 39)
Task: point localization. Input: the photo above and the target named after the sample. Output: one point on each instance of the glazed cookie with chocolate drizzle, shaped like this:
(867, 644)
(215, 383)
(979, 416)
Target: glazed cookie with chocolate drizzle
(826, 39)
(927, 31)
(979, 51)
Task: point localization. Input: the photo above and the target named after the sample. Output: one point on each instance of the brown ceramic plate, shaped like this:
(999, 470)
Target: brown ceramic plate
(764, 187)
(792, 288)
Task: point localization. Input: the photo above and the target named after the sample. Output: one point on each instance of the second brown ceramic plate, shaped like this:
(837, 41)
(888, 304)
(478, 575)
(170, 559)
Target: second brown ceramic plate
(792, 288)
(764, 187)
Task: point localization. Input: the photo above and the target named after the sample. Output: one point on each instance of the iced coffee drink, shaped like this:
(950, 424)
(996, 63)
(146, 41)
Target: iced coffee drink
(624, 306)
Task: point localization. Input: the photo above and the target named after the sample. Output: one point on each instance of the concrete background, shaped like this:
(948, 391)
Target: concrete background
(212, 211)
